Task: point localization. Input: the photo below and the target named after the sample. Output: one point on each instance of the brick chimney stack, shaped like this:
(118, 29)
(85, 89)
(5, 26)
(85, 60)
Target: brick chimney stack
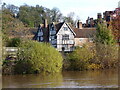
(45, 23)
(79, 24)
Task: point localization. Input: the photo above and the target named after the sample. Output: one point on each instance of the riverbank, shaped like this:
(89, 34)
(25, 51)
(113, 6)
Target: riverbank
(42, 57)
(9, 69)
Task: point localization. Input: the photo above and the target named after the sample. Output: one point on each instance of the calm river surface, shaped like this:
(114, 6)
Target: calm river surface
(66, 79)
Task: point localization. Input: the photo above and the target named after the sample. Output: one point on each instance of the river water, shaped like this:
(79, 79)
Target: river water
(66, 79)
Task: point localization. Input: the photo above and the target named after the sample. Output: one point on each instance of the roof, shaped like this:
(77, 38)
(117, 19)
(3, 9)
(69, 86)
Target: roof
(57, 25)
(84, 33)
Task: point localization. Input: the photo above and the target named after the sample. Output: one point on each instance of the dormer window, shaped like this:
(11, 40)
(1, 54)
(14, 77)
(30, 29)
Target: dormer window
(65, 28)
(52, 27)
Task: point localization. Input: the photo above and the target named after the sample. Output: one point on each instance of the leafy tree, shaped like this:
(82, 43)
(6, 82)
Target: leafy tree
(36, 57)
(31, 16)
(106, 47)
(104, 35)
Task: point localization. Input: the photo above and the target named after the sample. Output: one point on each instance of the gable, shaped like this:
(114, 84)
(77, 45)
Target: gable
(65, 29)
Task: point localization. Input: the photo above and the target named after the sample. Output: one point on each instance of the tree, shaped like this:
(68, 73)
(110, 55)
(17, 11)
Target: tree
(104, 35)
(70, 18)
(56, 15)
(32, 16)
(106, 47)
(10, 24)
(14, 9)
(36, 57)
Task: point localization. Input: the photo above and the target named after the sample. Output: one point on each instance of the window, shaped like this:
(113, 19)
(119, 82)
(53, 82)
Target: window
(65, 46)
(65, 37)
(40, 33)
(90, 40)
(65, 28)
(52, 37)
(81, 39)
(55, 46)
(41, 38)
(52, 28)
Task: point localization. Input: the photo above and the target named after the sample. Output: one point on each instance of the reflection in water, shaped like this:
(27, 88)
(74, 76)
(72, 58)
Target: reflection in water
(67, 79)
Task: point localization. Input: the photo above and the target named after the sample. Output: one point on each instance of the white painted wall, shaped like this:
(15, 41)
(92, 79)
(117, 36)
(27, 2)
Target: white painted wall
(70, 42)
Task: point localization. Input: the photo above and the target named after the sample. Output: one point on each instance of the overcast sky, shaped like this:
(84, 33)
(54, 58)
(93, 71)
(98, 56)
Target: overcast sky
(81, 8)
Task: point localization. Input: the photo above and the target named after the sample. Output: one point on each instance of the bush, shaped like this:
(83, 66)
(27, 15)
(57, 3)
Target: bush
(94, 66)
(36, 57)
(7, 67)
(14, 42)
(107, 55)
(80, 58)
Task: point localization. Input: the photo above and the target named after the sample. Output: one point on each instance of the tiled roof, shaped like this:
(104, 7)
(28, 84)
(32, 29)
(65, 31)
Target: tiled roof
(84, 33)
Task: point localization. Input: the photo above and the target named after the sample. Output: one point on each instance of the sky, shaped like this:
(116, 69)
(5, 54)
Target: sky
(81, 8)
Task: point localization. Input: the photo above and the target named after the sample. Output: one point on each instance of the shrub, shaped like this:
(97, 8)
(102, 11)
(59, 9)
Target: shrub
(14, 42)
(36, 57)
(107, 55)
(79, 59)
(94, 66)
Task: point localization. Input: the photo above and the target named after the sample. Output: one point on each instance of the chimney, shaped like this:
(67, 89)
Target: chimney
(99, 16)
(45, 23)
(79, 24)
